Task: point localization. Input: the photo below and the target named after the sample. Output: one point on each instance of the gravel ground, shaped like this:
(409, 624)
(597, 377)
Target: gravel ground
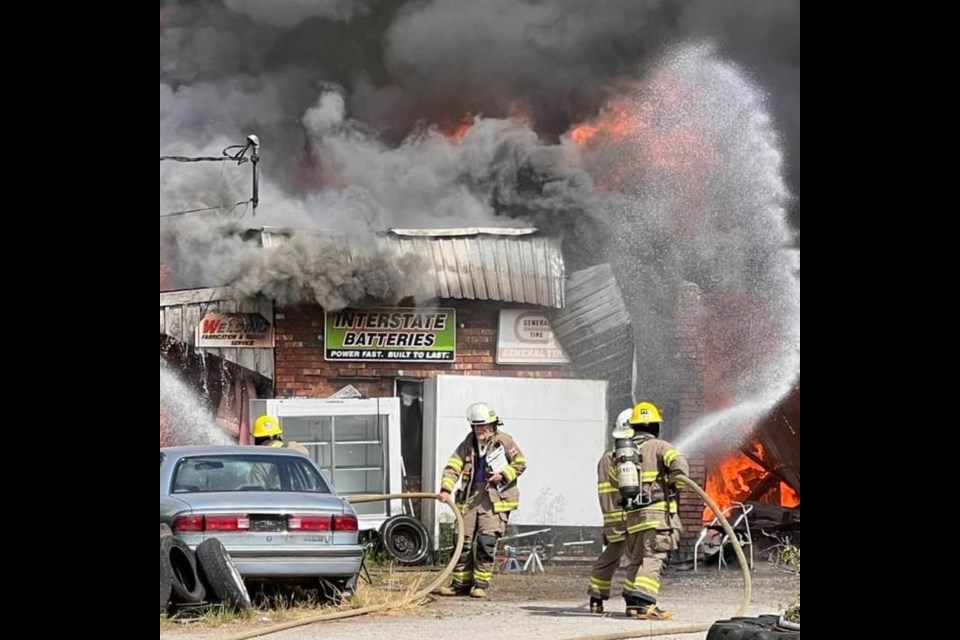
(542, 605)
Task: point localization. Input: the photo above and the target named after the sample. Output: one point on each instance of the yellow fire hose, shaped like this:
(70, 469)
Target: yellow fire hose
(442, 578)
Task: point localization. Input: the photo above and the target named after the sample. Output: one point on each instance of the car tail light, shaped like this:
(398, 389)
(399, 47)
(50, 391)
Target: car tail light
(308, 523)
(188, 524)
(227, 522)
(345, 523)
(198, 524)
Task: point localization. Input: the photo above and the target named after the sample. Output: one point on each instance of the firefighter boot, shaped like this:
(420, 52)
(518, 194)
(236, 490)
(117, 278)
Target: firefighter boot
(653, 612)
(644, 609)
(596, 605)
(450, 591)
(478, 592)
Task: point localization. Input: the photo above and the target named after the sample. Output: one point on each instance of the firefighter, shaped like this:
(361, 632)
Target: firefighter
(652, 519)
(487, 463)
(614, 524)
(268, 433)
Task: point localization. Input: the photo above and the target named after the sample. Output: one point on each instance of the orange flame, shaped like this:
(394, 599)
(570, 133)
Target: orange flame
(736, 477)
(616, 121)
(788, 497)
(457, 131)
(731, 480)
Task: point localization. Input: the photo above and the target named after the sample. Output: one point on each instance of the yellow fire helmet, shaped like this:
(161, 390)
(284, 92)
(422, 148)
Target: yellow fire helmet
(645, 413)
(266, 426)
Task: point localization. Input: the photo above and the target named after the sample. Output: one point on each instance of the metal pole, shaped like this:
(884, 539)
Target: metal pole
(254, 143)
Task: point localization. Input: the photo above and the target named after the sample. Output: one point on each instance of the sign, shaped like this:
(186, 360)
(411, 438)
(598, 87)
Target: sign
(525, 337)
(244, 330)
(391, 335)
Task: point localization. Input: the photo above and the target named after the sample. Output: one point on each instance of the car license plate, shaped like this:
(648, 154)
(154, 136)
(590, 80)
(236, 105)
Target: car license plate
(260, 524)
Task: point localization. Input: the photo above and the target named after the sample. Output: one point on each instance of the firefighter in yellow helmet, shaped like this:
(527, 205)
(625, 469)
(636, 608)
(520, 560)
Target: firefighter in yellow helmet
(614, 522)
(650, 510)
(268, 433)
(486, 464)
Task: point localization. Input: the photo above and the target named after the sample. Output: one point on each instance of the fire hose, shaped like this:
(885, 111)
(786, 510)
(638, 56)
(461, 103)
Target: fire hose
(442, 578)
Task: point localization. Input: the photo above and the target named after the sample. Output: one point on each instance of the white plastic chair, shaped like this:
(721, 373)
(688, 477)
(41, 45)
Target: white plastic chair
(713, 535)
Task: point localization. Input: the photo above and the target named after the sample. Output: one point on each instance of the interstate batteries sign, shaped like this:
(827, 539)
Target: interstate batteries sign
(395, 335)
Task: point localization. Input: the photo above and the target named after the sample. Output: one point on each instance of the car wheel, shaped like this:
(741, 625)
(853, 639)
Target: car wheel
(759, 628)
(166, 577)
(405, 539)
(186, 587)
(220, 575)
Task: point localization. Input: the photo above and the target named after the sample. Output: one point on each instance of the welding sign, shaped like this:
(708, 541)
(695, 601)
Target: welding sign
(243, 330)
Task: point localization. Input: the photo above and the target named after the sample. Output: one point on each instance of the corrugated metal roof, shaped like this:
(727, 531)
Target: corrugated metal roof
(508, 265)
(596, 331)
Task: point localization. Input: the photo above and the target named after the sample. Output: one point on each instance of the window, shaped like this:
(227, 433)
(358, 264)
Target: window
(247, 473)
(349, 451)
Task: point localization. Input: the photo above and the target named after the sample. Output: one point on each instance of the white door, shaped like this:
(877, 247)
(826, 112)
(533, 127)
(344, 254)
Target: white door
(559, 424)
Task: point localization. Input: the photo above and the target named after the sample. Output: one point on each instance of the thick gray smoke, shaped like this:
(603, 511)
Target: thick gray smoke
(454, 113)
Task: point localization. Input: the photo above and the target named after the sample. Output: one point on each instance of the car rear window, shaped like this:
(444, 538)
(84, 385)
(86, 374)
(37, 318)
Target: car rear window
(205, 474)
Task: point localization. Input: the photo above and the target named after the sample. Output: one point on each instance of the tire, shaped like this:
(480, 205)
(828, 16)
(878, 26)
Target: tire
(220, 575)
(405, 539)
(166, 577)
(760, 628)
(186, 587)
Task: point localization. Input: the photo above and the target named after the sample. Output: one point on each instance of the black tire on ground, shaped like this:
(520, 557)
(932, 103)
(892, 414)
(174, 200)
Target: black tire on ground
(165, 530)
(760, 628)
(405, 539)
(186, 587)
(220, 575)
(166, 577)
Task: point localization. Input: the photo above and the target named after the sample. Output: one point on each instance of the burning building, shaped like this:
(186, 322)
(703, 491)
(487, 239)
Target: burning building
(627, 202)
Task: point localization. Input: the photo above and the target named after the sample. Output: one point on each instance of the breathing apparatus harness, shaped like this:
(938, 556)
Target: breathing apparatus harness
(628, 458)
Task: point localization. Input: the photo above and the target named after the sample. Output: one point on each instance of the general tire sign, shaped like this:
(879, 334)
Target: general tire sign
(526, 337)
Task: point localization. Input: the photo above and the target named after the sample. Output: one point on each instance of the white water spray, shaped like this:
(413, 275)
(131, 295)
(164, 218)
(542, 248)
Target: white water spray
(698, 162)
(188, 421)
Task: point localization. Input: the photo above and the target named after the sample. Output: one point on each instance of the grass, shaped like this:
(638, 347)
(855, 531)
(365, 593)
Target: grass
(787, 556)
(278, 603)
(793, 613)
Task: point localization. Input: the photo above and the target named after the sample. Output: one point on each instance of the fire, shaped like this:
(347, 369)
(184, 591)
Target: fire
(164, 276)
(731, 480)
(456, 132)
(616, 121)
(738, 478)
(788, 497)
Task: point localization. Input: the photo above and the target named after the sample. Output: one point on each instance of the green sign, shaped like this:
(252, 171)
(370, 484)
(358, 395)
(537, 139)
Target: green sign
(394, 335)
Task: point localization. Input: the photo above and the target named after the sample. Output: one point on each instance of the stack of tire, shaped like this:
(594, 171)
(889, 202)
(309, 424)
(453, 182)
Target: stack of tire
(190, 577)
(765, 627)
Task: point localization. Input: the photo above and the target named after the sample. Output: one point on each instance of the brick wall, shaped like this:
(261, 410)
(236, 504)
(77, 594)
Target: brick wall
(691, 353)
(302, 372)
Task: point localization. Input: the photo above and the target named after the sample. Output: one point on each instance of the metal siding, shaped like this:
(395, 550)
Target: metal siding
(180, 312)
